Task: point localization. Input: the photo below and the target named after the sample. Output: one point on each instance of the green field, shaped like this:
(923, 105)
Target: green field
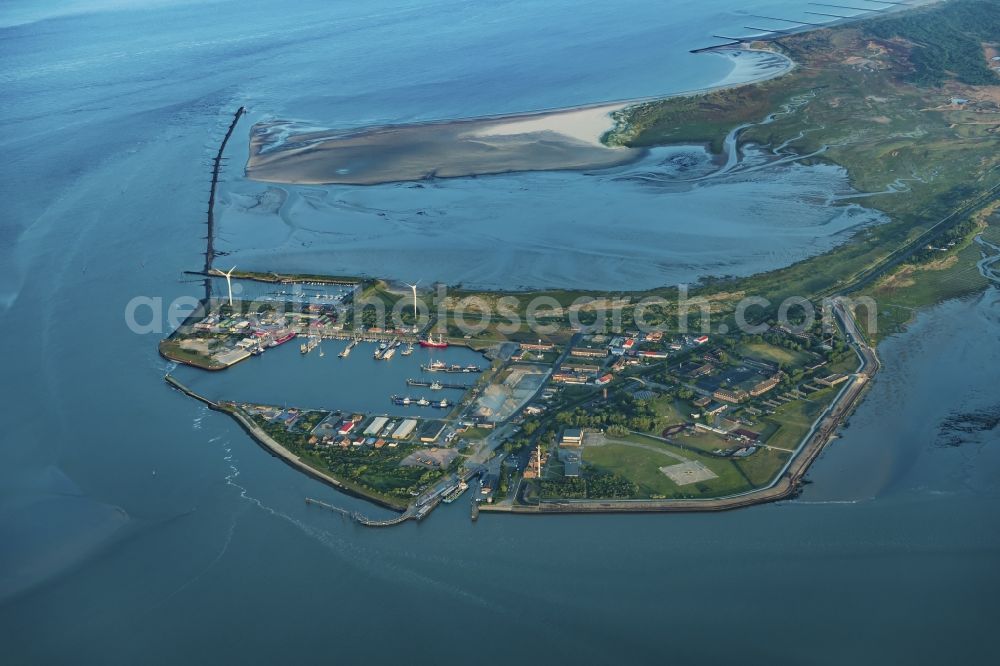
(773, 354)
(641, 465)
(673, 411)
(762, 466)
(792, 421)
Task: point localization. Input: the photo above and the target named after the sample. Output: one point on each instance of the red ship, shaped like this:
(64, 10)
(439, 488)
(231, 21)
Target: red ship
(283, 339)
(434, 344)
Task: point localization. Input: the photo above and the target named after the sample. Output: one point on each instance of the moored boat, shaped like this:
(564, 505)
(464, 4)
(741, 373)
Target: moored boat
(434, 344)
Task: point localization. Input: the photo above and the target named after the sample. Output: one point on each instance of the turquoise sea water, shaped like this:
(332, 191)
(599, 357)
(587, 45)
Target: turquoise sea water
(110, 115)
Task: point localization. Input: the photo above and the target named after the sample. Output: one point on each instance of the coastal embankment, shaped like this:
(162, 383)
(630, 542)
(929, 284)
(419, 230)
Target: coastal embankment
(276, 449)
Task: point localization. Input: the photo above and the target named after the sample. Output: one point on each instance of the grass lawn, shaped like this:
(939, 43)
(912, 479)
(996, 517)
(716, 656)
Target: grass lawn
(706, 441)
(762, 466)
(671, 410)
(793, 420)
(845, 366)
(767, 352)
(642, 467)
(476, 433)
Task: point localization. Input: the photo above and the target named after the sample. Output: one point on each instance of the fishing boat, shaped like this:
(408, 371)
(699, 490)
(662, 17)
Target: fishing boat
(436, 386)
(407, 351)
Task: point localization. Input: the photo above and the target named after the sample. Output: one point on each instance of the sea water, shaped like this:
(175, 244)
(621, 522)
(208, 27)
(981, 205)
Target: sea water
(135, 525)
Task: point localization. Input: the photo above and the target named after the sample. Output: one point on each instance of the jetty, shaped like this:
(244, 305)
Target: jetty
(210, 213)
(362, 519)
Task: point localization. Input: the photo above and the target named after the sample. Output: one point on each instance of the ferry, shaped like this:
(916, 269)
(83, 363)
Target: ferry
(434, 344)
(455, 493)
(387, 354)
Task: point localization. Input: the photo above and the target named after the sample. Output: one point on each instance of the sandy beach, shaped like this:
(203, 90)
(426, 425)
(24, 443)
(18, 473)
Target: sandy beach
(541, 141)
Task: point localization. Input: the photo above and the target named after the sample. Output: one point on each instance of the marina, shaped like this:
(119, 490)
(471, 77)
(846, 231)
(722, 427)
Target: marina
(283, 376)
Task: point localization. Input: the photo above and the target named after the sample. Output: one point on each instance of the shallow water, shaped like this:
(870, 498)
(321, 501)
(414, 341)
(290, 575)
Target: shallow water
(614, 229)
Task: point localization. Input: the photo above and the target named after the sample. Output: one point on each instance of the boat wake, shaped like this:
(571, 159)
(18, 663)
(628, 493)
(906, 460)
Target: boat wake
(370, 562)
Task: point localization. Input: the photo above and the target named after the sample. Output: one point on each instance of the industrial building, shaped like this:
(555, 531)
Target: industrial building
(376, 425)
(405, 429)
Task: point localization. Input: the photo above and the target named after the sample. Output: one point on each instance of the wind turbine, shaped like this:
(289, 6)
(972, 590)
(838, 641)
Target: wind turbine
(229, 284)
(413, 287)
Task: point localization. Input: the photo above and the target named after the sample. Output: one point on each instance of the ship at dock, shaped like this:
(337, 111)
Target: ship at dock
(282, 339)
(407, 401)
(455, 493)
(434, 344)
(309, 345)
(438, 386)
(386, 350)
(347, 350)
(440, 366)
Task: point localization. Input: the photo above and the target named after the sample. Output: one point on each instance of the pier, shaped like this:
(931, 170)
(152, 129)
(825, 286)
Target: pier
(362, 519)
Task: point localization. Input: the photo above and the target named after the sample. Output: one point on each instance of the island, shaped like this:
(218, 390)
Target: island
(674, 399)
